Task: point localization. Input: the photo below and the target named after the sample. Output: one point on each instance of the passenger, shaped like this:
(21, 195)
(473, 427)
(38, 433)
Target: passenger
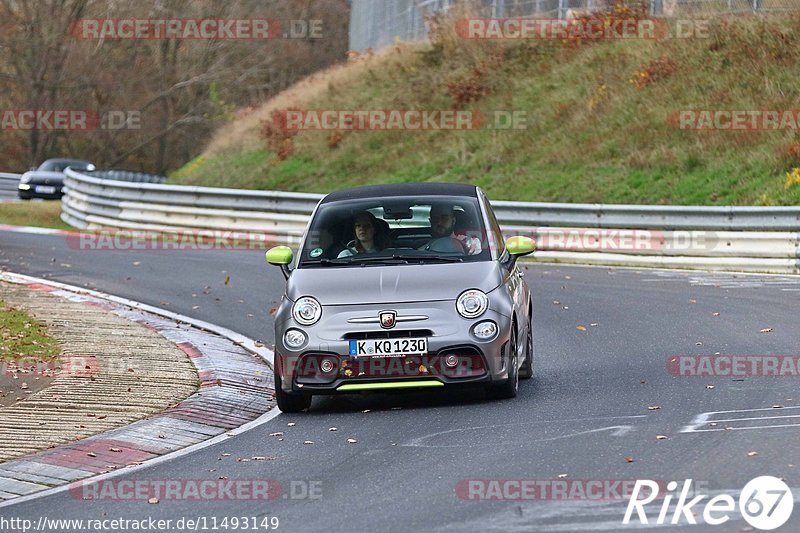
(370, 236)
(443, 220)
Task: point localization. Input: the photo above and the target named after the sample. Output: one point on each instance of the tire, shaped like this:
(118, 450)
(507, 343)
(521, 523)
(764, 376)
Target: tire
(290, 403)
(508, 389)
(526, 372)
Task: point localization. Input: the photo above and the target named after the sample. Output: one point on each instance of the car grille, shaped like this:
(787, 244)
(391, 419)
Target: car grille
(388, 334)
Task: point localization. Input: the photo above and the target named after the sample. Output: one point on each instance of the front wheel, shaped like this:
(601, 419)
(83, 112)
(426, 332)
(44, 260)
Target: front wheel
(526, 372)
(508, 389)
(290, 403)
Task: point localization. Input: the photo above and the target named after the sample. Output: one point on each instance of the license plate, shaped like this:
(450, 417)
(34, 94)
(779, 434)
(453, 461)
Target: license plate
(45, 189)
(389, 347)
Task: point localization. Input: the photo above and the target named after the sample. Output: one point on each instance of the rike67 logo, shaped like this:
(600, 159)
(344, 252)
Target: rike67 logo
(766, 503)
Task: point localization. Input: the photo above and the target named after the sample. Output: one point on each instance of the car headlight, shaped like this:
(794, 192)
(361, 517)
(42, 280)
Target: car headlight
(294, 338)
(306, 311)
(485, 331)
(472, 303)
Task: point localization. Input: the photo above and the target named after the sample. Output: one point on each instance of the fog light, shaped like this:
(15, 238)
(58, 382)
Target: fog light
(327, 366)
(485, 330)
(294, 338)
(451, 361)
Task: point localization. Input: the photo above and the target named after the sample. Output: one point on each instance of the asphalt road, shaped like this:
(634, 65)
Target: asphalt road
(588, 414)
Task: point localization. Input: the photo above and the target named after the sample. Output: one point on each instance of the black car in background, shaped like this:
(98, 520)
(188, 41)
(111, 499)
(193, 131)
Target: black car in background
(47, 181)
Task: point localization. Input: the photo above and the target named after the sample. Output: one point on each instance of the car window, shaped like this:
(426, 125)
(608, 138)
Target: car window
(495, 228)
(397, 230)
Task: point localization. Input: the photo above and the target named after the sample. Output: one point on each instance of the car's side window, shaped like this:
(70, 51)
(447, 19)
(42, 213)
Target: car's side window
(494, 227)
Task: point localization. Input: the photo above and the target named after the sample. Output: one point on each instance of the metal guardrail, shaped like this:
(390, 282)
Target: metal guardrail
(758, 239)
(9, 181)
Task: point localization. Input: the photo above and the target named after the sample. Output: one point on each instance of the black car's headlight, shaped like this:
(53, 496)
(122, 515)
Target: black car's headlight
(306, 311)
(472, 303)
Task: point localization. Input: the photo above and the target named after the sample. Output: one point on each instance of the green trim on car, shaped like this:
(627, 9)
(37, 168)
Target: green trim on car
(389, 385)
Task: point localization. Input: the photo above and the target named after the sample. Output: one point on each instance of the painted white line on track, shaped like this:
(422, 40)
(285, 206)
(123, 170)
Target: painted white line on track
(616, 431)
(699, 422)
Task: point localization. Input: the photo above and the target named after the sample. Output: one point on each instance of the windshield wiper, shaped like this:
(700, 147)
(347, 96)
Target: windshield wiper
(328, 262)
(405, 258)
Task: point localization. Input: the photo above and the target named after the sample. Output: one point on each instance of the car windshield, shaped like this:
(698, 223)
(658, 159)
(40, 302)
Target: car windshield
(60, 165)
(396, 230)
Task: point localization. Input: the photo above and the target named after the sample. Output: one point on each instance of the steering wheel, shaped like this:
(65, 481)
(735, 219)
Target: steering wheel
(446, 245)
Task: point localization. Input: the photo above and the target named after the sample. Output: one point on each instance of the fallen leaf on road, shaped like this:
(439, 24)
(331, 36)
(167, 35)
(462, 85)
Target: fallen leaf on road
(309, 442)
(91, 454)
(272, 311)
(765, 330)
(580, 327)
(777, 406)
(291, 424)
(332, 429)
(562, 476)
(556, 302)
(709, 386)
(714, 314)
(258, 344)
(136, 263)
(629, 459)
(227, 279)
(661, 437)
(276, 434)
(351, 441)
(594, 324)
(263, 458)
(153, 500)
(116, 450)
(365, 411)
(752, 454)
(653, 407)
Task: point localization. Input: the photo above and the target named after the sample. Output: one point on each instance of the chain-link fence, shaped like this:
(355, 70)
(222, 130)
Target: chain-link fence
(378, 23)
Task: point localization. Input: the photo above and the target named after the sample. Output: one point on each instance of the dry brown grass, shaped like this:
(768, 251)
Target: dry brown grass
(242, 134)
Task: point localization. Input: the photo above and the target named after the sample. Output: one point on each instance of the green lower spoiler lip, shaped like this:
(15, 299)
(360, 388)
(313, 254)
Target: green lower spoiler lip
(389, 385)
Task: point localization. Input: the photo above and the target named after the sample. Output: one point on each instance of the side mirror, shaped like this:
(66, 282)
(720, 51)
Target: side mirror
(518, 246)
(280, 256)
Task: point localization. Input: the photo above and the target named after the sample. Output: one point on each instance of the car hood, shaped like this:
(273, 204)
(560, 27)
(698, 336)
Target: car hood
(43, 175)
(392, 284)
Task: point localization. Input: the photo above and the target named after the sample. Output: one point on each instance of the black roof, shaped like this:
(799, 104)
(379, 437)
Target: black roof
(403, 189)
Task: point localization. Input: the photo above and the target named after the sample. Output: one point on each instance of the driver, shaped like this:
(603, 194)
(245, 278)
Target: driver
(443, 220)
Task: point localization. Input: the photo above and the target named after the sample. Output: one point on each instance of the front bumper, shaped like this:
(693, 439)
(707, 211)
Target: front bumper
(479, 361)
